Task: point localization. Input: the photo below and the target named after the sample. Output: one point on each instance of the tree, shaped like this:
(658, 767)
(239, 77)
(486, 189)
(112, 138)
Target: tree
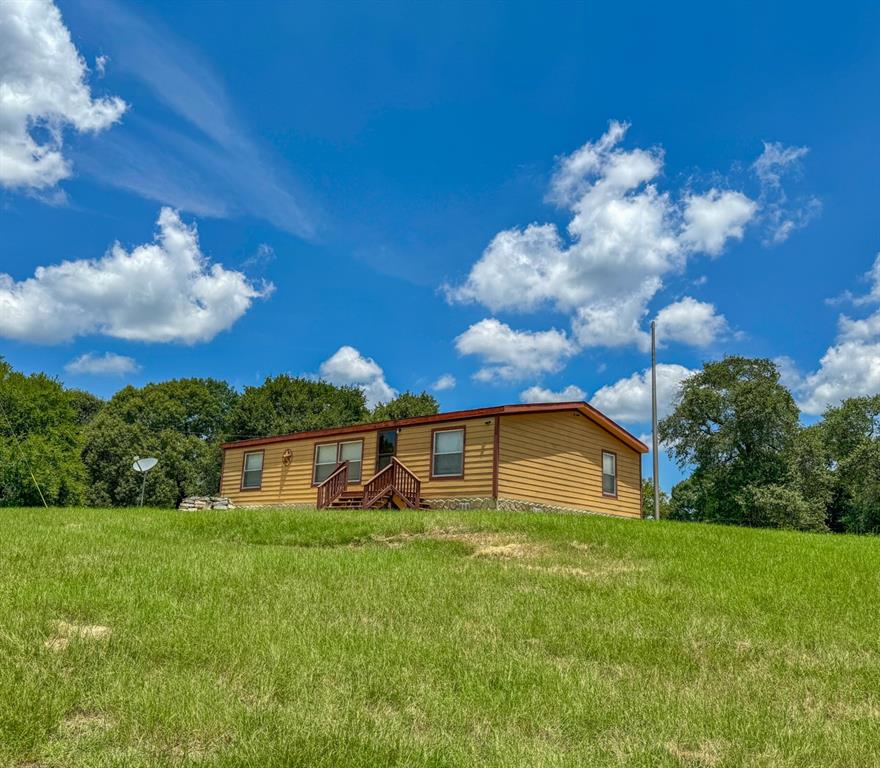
(780, 506)
(181, 422)
(405, 405)
(285, 404)
(810, 470)
(851, 435)
(85, 405)
(735, 424)
(684, 503)
(648, 500)
(39, 439)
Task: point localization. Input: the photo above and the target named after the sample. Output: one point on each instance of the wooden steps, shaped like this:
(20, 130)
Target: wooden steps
(393, 487)
(390, 500)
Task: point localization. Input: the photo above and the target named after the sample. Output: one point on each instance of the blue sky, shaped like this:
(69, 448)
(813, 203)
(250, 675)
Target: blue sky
(401, 195)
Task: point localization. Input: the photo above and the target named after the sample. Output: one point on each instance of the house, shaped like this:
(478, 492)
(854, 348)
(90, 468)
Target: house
(544, 456)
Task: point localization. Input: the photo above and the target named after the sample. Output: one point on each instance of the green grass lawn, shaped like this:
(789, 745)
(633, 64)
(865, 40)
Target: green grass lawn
(272, 638)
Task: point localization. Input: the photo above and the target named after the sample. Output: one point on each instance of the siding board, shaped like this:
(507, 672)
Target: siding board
(292, 484)
(556, 458)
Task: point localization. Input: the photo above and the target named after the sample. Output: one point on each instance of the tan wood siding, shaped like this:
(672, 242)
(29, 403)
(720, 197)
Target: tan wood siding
(414, 447)
(556, 458)
(292, 483)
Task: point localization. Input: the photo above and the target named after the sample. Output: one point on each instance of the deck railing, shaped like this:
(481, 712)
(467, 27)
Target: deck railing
(397, 477)
(334, 486)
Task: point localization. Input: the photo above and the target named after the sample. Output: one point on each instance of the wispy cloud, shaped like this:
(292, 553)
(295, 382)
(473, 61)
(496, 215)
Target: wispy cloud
(208, 163)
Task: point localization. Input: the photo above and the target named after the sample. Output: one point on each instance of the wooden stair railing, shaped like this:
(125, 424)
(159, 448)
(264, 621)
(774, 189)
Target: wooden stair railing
(396, 477)
(334, 486)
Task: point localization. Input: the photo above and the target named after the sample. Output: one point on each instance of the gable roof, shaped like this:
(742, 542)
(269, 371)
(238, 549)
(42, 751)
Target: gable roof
(587, 410)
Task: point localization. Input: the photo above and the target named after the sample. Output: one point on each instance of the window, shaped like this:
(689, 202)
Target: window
(351, 452)
(329, 455)
(448, 453)
(609, 474)
(386, 447)
(252, 471)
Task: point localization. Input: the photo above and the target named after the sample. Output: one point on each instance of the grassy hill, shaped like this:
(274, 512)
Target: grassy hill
(275, 638)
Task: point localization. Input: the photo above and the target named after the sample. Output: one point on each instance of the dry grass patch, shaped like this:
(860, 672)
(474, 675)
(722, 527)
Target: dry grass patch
(589, 562)
(65, 633)
(83, 723)
(481, 543)
(708, 753)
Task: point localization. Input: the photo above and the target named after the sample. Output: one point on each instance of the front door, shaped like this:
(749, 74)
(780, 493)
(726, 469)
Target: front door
(386, 448)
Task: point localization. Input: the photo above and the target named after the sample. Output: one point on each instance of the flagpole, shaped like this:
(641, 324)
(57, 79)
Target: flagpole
(655, 451)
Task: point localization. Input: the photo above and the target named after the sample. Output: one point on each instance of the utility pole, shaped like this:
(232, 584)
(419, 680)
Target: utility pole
(655, 441)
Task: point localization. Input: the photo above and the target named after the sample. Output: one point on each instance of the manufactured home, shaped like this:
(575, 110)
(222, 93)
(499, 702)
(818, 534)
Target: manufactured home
(540, 456)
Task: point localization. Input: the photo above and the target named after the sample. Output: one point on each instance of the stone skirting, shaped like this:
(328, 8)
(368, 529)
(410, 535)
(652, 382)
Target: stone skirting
(511, 505)
(462, 503)
(194, 503)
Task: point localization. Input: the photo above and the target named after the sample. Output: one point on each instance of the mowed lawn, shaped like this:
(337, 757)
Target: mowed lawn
(281, 638)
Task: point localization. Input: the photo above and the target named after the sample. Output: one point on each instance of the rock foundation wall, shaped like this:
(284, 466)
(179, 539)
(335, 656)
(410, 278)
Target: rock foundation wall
(193, 503)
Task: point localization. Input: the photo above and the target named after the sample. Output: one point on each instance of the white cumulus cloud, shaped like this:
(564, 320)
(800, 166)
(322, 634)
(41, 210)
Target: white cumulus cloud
(108, 364)
(851, 366)
(537, 394)
(348, 367)
(629, 399)
(714, 218)
(508, 354)
(624, 236)
(42, 86)
(690, 322)
(162, 291)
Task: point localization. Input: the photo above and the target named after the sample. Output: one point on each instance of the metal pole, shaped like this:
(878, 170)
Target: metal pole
(655, 441)
(144, 485)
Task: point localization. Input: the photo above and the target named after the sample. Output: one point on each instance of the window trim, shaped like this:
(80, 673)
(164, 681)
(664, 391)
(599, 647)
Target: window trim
(616, 474)
(378, 441)
(241, 486)
(337, 443)
(463, 430)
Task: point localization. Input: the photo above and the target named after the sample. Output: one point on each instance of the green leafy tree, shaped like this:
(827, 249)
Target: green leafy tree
(180, 422)
(405, 405)
(85, 405)
(285, 404)
(780, 506)
(735, 424)
(685, 500)
(860, 478)
(851, 435)
(648, 500)
(39, 440)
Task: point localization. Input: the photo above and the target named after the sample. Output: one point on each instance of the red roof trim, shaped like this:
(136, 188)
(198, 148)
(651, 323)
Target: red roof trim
(475, 413)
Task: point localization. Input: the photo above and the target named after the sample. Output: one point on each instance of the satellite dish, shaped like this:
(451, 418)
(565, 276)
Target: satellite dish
(144, 465)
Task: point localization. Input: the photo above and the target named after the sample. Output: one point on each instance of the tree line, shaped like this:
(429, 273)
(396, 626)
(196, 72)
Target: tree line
(77, 449)
(737, 429)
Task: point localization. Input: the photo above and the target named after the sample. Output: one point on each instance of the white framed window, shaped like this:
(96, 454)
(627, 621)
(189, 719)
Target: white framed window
(252, 471)
(447, 454)
(329, 455)
(609, 473)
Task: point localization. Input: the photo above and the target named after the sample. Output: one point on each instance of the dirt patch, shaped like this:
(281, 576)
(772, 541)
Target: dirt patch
(708, 753)
(65, 633)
